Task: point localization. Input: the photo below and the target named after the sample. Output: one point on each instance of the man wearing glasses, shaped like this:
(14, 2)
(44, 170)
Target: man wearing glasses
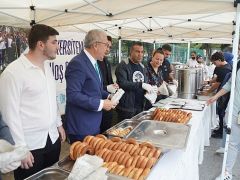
(85, 95)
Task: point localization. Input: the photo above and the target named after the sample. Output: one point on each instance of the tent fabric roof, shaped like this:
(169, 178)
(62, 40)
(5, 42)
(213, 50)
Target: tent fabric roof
(148, 20)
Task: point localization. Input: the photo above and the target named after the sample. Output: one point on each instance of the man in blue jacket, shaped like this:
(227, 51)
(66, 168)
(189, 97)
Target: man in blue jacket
(85, 95)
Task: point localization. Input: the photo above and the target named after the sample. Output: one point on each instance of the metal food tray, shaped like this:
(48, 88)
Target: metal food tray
(66, 164)
(52, 173)
(148, 116)
(199, 107)
(125, 123)
(142, 115)
(166, 135)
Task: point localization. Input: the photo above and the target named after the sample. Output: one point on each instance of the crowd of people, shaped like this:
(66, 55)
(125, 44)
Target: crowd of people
(13, 42)
(28, 95)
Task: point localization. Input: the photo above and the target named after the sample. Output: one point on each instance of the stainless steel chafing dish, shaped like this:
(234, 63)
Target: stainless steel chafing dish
(127, 123)
(142, 116)
(166, 135)
(52, 173)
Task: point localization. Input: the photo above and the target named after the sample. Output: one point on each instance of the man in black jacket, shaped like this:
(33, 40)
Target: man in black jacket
(108, 85)
(131, 77)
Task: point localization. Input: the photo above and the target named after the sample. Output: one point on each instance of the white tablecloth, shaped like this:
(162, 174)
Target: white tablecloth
(183, 164)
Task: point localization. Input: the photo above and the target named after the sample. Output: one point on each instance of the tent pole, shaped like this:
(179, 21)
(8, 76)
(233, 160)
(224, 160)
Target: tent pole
(230, 112)
(188, 50)
(119, 50)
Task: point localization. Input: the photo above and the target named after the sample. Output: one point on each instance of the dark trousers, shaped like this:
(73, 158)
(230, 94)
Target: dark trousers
(221, 114)
(106, 122)
(43, 158)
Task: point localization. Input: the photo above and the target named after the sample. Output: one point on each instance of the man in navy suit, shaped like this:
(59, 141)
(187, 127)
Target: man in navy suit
(85, 95)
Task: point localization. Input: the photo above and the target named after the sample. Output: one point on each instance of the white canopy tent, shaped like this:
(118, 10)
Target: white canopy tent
(172, 21)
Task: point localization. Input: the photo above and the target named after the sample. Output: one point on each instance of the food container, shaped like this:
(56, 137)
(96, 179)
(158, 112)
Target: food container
(142, 115)
(166, 135)
(51, 173)
(66, 164)
(127, 123)
(190, 80)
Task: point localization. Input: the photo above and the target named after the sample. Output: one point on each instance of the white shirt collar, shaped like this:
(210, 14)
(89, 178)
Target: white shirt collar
(93, 61)
(25, 61)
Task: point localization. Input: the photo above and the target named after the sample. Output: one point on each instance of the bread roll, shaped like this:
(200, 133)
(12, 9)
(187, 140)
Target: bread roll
(126, 158)
(129, 162)
(157, 153)
(131, 141)
(128, 170)
(99, 144)
(115, 139)
(105, 154)
(101, 136)
(112, 145)
(87, 139)
(138, 165)
(144, 163)
(131, 174)
(150, 163)
(107, 159)
(119, 153)
(147, 152)
(72, 149)
(143, 149)
(118, 169)
(114, 154)
(145, 173)
(75, 151)
(137, 173)
(111, 165)
(129, 148)
(147, 144)
(135, 147)
(151, 153)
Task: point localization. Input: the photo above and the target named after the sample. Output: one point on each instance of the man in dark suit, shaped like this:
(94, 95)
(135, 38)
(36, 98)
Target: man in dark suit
(85, 95)
(108, 85)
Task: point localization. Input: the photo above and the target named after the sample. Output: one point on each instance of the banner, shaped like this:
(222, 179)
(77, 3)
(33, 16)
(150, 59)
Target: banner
(70, 44)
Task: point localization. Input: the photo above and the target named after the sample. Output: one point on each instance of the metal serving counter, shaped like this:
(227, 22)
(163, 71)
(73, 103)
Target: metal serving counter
(180, 164)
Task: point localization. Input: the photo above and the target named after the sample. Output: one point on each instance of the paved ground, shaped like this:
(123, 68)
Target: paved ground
(212, 163)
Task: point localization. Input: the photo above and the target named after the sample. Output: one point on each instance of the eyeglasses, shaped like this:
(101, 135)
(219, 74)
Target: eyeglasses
(106, 44)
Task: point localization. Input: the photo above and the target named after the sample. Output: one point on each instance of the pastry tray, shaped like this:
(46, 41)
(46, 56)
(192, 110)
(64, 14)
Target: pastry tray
(165, 135)
(123, 124)
(52, 173)
(194, 107)
(142, 116)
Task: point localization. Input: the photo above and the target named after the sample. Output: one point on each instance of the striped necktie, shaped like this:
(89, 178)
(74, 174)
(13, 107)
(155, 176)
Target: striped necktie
(97, 70)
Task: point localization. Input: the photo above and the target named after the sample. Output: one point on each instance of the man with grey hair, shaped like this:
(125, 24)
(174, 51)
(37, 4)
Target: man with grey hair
(85, 95)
